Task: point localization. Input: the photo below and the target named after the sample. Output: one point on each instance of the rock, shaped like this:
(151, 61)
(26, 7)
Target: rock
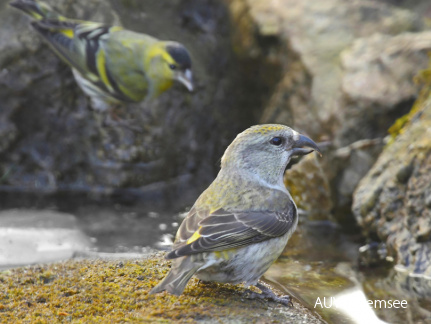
(308, 39)
(349, 165)
(84, 290)
(345, 74)
(323, 187)
(309, 188)
(336, 70)
(391, 201)
(53, 143)
(377, 83)
(8, 133)
(416, 291)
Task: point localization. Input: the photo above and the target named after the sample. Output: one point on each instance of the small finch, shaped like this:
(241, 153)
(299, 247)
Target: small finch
(241, 223)
(111, 64)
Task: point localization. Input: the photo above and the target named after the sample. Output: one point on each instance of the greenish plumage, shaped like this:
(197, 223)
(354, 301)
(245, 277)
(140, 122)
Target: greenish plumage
(241, 223)
(111, 64)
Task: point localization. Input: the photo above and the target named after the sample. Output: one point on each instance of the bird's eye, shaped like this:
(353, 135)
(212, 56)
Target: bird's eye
(172, 66)
(276, 141)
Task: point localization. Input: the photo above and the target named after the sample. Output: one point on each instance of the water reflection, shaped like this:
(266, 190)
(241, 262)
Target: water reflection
(354, 305)
(30, 236)
(318, 268)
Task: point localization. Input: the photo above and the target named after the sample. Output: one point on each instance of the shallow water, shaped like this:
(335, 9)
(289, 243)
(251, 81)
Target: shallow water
(320, 267)
(320, 261)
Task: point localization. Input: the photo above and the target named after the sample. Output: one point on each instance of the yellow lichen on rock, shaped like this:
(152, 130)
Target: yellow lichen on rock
(424, 78)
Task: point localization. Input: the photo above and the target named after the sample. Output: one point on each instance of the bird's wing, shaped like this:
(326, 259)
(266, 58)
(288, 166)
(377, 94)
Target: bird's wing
(80, 45)
(74, 42)
(222, 230)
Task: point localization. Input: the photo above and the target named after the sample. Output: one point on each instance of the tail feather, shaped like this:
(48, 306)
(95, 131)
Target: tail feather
(61, 41)
(175, 282)
(37, 10)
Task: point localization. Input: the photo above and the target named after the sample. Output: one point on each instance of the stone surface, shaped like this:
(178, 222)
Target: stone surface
(392, 202)
(113, 291)
(336, 70)
(52, 142)
(308, 38)
(309, 187)
(377, 82)
(345, 74)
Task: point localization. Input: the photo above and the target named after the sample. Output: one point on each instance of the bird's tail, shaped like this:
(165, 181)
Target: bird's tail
(181, 272)
(36, 9)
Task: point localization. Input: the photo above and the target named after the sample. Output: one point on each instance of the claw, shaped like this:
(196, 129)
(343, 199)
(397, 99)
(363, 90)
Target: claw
(267, 293)
(113, 120)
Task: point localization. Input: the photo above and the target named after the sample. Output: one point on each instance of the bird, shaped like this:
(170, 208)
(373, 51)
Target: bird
(111, 65)
(242, 222)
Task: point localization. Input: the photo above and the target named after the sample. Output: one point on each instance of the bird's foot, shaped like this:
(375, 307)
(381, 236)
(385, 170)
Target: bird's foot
(111, 121)
(267, 293)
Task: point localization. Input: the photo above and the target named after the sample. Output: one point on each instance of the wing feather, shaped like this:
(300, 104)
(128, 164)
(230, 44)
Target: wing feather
(80, 45)
(222, 230)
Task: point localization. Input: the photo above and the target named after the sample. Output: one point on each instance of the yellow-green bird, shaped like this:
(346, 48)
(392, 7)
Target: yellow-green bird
(241, 223)
(111, 64)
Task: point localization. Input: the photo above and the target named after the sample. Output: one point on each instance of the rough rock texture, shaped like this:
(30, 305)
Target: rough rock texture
(323, 186)
(100, 291)
(310, 37)
(316, 199)
(338, 70)
(50, 141)
(393, 202)
(345, 75)
(377, 83)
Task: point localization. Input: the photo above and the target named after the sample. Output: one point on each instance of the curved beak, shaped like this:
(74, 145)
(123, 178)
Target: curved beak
(186, 78)
(303, 146)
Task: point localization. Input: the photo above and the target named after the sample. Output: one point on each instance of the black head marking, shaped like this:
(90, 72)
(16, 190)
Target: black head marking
(180, 55)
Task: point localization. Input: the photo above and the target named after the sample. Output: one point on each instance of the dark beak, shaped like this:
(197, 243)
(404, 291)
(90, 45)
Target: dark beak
(303, 146)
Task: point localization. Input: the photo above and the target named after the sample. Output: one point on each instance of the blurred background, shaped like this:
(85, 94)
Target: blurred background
(351, 74)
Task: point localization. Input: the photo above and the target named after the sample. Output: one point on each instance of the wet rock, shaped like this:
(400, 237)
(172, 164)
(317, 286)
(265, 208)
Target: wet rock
(399, 285)
(373, 254)
(345, 75)
(308, 40)
(349, 165)
(391, 201)
(52, 142)
(323, 187)
(309, 187)
(82, 290)
(378, 81)
(8, 133)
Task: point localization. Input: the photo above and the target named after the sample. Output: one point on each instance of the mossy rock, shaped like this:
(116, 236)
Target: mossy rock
(101, 291)
(423, 78)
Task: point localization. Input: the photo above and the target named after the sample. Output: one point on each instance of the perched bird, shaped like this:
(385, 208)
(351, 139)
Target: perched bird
(111, 64)
(241, 223)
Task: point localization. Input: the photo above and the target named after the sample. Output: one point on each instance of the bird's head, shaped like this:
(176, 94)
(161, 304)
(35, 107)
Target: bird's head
(169, 61)
(265, 151)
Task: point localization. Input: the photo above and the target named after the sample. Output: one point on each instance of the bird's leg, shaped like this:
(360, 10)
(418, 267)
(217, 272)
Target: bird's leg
(113, 114)
(113, 120)
(267, 293)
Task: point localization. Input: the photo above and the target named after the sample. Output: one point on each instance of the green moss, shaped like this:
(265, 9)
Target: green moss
(98, 291)
(423, 77)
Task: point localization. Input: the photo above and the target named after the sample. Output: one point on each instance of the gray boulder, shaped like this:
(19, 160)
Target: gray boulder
(393, 201)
